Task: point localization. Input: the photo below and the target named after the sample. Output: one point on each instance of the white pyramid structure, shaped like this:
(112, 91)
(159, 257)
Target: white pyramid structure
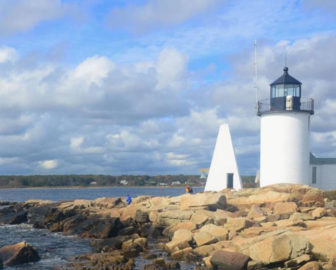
(223, 171)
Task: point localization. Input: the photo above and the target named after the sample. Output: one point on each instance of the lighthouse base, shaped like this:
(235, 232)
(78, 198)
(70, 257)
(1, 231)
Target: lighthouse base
(284, 148)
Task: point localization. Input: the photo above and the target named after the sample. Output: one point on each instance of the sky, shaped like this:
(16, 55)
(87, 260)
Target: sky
(142, 86)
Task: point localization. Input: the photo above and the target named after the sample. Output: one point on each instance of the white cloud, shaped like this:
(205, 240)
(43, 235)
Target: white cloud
(97, 88)
(49, 164)
(131, 141)
(93, 70)
(203, 123)
(158, 13)
(7, 54)
(328, 6)
(176, 140)
(171, 70)
(76, 143)
(22, 15)
(178, 159)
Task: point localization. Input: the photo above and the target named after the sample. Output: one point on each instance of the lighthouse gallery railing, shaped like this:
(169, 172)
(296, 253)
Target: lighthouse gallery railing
(306, 105)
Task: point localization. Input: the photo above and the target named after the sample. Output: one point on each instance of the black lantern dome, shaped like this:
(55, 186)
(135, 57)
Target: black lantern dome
(285, 95)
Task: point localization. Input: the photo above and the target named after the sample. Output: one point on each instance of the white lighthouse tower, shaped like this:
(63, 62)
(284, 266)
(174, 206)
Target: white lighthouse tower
(285, 133)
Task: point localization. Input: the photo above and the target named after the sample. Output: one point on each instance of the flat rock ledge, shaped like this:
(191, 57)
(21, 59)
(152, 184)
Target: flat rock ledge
(275, 227)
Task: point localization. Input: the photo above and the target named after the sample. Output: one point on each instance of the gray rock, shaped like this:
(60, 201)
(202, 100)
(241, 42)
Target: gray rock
(279, 248)
(19, 253)
(36, 215)
(141, 216)
(224, 260)
(14, 214)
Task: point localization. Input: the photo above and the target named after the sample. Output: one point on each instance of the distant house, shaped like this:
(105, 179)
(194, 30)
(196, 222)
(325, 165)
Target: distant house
(93, 183)
(123, 182)
(163, 184)
(323, 171)
(174, 183)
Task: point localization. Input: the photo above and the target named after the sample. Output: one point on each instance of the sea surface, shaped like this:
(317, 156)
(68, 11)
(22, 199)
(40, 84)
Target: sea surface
(61, 194)
(55, 248)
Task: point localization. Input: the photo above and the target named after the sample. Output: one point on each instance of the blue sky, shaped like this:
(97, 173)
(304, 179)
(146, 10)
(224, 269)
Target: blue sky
(141, 87)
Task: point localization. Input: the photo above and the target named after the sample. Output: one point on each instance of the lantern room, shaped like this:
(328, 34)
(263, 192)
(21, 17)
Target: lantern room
(285, 95)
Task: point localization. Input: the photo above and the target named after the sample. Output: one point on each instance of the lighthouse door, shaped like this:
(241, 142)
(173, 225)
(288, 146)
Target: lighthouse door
(229, 180)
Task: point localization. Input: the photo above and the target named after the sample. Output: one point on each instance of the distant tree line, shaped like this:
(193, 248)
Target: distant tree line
(249, 181)
(17, 181)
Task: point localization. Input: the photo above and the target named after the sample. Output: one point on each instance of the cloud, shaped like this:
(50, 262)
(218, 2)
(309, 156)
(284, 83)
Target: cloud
(327, 6)
(153, 116)
(127, 141)
(178, 159)
(7, 54)
(157, 13)
(171, 70)
(76, 143)
(48, 164)
(92, 113)
(23, 15)
(93, 70)
(232, 27)
(98, 89)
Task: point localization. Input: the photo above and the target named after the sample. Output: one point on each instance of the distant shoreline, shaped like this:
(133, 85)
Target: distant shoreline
(104, 181)
(97, 181)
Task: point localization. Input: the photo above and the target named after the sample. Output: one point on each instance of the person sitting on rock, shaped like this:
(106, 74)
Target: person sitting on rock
(188, 189)
(128, 199)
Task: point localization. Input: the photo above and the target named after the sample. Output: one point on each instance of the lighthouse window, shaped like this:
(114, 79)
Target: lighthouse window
(286, 90)
(278, 91)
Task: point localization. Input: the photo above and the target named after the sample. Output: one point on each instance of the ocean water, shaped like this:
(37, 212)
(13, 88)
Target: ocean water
(53, 248)
(56, 248)
(61, 194)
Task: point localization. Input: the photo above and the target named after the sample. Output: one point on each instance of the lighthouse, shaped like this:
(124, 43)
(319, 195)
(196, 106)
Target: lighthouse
(285, 133)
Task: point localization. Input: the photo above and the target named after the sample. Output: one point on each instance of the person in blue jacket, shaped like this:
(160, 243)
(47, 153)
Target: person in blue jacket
(128, 199)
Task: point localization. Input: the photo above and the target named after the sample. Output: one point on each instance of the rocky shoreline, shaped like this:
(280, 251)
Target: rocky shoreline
(276, 227)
